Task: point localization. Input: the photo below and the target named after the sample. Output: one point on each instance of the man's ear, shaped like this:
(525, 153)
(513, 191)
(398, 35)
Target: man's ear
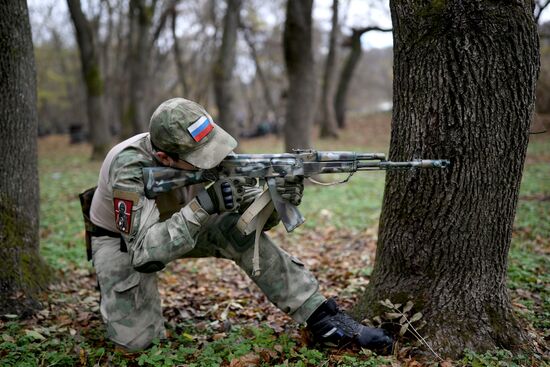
(163, 158)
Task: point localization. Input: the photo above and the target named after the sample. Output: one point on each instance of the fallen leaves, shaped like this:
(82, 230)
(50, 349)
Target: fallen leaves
(211, 294)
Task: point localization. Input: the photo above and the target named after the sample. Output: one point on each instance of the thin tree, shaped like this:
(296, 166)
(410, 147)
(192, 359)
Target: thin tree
(180, 64)
(266, 88)
(223, 69)
(91, 71)
(297, 43)
(141, 15)
(540, 6)
(24, 273)
(346, 75)
(144, 32)
(464, 89)
(329, 127)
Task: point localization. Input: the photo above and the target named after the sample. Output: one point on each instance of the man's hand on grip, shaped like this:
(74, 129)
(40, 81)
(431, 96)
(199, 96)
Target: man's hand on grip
(227, 195)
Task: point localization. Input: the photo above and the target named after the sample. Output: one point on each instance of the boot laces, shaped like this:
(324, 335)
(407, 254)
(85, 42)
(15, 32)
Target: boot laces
(346, 323)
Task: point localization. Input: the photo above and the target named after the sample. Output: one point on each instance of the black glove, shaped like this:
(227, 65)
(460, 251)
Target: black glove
(291, 188)
(227, 195)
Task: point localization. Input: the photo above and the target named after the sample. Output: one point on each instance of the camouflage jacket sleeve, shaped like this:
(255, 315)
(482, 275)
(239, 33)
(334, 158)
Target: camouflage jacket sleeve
(151, 243)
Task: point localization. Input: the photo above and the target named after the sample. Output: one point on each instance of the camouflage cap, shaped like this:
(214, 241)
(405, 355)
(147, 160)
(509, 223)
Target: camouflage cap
(184, 128)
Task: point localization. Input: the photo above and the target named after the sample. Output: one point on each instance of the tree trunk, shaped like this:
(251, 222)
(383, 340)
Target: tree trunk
(297, 43)
(224, 89)
(329, 128)
(266, 88)
(100, 135)
(24, 272)
(464, 89)
(350, 64)
(354, 43)
(136, 119)
(180, 65)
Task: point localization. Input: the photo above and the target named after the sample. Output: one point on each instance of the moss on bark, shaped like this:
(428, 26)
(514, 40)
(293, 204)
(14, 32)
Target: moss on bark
(94, 82)
(24, 273)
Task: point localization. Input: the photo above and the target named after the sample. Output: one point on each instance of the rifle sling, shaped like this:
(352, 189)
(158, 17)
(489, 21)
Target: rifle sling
(254, 219)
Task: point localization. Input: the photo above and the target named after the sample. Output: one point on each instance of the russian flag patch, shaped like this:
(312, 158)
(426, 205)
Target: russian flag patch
(200, 128)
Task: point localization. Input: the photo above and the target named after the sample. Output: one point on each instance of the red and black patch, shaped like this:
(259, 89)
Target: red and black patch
(123, 214)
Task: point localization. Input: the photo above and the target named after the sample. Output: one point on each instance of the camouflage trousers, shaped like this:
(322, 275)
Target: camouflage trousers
(130, 301)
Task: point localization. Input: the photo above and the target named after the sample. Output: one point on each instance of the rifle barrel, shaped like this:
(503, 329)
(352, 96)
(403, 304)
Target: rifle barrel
(424, 163)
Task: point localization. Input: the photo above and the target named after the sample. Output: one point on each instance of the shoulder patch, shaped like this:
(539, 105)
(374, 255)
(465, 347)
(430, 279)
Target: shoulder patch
(123, 214)
(124, 201)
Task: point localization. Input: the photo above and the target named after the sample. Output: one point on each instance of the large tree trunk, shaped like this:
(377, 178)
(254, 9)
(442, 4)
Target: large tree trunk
(224, 88)
(23, 271)
(100, 135)
(297, 41)
(329, 128)
(464, 89)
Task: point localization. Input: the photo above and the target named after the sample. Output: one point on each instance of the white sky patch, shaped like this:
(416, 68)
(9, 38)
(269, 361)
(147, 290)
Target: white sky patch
(358, 14)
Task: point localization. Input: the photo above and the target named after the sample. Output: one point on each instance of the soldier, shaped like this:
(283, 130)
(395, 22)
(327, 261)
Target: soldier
(135, 236)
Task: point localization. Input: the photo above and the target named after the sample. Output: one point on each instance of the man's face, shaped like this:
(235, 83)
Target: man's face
(186, 166)
(166, 160)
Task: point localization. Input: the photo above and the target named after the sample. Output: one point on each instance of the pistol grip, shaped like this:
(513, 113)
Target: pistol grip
(290, 215)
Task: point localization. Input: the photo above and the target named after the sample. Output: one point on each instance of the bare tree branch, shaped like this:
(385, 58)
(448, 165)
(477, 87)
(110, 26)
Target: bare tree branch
(539, 8)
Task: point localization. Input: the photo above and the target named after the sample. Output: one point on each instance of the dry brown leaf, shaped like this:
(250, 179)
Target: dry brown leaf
(248, 360)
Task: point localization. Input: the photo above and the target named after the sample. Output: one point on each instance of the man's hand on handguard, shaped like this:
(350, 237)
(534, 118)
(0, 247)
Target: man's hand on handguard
(227, 195)
(291, 188)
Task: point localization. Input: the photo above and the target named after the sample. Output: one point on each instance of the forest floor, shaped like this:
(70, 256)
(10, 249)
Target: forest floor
(216, 316)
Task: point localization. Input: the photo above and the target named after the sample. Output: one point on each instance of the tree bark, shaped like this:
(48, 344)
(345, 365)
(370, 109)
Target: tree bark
(24, 273)
(223, 70)
(464, 90)
(91, 71)
(329, 128)
(297, 43)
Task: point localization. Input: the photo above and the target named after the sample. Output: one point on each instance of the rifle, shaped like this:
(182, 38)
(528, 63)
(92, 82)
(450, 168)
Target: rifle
(266, 167)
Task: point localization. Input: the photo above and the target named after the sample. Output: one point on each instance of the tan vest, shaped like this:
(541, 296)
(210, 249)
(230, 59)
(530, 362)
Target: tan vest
(102, 211)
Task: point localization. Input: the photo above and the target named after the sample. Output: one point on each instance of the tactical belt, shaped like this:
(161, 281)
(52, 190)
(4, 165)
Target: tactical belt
(101, 232)
(92, 230)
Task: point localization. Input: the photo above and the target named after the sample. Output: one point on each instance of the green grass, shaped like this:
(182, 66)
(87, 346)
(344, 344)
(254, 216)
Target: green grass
(497, 358)
(61, 225)
(354, 205)
(529, 265)
(259, 346)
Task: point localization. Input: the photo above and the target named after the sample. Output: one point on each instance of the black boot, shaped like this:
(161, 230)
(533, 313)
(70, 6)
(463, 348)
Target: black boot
(333, 327)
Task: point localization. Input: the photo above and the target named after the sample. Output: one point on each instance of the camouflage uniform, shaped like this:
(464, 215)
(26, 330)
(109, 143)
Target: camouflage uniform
(172, 226)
